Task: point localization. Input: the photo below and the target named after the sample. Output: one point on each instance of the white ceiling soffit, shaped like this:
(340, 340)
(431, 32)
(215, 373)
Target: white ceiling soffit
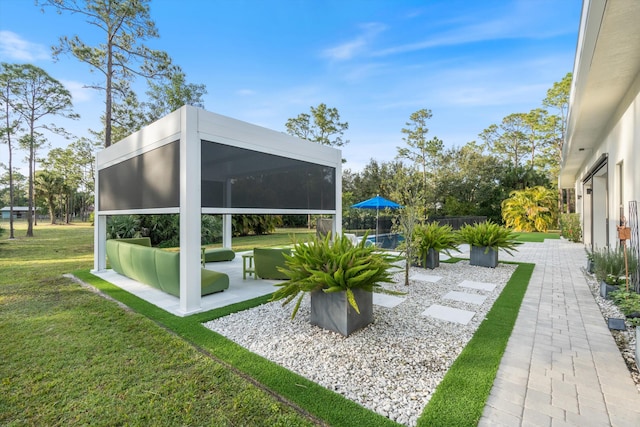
(607, 65)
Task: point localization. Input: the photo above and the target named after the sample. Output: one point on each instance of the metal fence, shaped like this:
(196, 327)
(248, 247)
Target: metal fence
(385, 222)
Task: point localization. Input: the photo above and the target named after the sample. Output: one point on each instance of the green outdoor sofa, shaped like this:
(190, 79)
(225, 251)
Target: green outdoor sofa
(136, 259)
(267, 261)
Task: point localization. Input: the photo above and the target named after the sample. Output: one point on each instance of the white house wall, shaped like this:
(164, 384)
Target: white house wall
(622, 145)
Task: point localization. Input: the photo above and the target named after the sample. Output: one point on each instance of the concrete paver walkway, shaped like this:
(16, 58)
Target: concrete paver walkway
(561, 366)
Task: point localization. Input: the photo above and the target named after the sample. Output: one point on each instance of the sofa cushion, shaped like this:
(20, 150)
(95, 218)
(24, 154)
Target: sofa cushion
(212, 281)
(218, 254)
(113, 255)
(267, 261)
(144, 263)
(168, 270)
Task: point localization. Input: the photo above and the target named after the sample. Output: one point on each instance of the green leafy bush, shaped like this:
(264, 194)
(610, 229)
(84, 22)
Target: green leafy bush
(610, 265)
(123, 227)
(531, 209)
(440, 238)
(490, 235)
(570, 227)
(629, 304)
(333, 266)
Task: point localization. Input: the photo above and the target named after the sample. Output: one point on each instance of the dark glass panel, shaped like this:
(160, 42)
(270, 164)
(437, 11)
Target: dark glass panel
(150, 180)
(234, 177)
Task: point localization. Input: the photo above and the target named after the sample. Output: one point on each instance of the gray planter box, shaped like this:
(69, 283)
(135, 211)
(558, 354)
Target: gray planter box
(478, 257)
(332, 311)
(432, 260)
(605, 289)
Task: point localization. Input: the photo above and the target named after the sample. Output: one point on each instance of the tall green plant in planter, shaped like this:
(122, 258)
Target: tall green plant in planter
(486, 239)
(340, 277)
(433, 238)
(609, 268)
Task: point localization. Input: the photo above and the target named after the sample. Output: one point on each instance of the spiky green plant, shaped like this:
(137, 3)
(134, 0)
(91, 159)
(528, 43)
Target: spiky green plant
(490, 235)
(440, 238)
(334, 266)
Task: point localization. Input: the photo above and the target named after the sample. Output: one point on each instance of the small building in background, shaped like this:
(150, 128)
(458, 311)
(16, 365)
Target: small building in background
(19, 212)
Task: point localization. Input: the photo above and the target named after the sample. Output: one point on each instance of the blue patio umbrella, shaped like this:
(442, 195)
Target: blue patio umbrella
(377, 203)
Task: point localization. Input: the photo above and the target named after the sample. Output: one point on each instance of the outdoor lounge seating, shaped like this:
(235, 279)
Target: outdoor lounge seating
(136, 259)
(218, 254)
(267, 261)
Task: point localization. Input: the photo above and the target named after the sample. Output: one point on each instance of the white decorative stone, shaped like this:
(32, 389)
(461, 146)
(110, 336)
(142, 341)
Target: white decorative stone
(392, 366)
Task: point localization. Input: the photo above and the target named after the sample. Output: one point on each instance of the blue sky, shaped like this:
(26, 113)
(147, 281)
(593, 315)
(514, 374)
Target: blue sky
(470, 62)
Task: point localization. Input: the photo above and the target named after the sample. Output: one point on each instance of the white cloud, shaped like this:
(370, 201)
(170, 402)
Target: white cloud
(520, 21)
(352, 48)
(246, 92)
(79, 91)
(15, 48)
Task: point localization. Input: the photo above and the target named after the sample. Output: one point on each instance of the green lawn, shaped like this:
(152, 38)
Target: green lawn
(70, 356)
(535, 237)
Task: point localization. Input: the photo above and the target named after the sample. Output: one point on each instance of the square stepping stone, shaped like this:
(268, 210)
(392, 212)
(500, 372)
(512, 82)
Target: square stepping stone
(425, 277)
(449, 314)
(478, 285)
(465, 297)
(385, 300)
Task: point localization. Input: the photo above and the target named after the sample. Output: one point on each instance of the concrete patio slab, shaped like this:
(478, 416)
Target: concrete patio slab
(449, 314)
(488, 287)
(423, 277)
(465, 297)
(388, 301)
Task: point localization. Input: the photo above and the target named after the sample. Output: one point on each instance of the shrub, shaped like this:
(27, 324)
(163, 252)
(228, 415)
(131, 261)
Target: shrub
(531, 209)
(570, 227)
(321, 264)
(490, 235)
(609, 264)
(436, 237)
(123, 227)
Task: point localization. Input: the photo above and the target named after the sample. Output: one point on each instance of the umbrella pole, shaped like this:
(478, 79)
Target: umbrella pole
(376, 227)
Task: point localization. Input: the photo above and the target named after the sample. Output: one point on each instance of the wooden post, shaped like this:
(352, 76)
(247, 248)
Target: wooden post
(624, 234)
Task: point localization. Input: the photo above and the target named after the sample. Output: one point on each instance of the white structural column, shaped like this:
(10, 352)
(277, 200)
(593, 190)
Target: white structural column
(337, 221)
(226, 231)
(190, 211)
(99, 230)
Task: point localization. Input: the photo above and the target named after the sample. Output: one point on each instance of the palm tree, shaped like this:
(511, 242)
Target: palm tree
(50, 186)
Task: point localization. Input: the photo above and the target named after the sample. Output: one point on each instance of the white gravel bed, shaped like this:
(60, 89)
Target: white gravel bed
(392, 366)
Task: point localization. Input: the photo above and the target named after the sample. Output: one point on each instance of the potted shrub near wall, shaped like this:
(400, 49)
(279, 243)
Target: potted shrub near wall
(431, 239)
(610, 268)
(340, 277)
(486, 239)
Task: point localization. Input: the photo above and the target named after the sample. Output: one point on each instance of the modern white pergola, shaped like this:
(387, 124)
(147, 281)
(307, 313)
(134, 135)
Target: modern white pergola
(194, 162)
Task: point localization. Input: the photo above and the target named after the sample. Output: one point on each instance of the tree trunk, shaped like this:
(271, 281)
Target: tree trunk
(109, 100)
(30, 204)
